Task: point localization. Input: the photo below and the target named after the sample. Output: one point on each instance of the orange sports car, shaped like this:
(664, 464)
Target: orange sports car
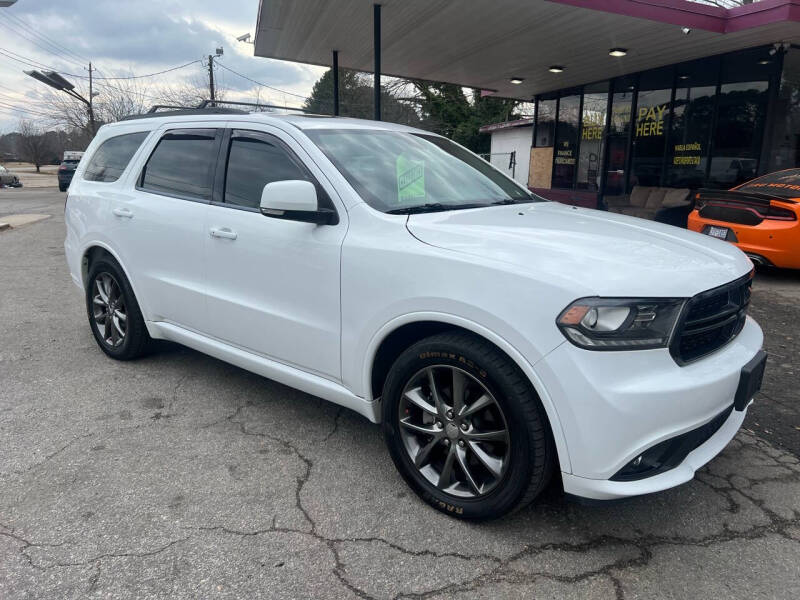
(761, 217)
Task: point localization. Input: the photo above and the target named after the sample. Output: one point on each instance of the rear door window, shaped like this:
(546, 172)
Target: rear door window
(111, 158)
(182, 164)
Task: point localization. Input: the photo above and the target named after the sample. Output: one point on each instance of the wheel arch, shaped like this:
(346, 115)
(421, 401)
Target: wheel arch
(400, 333)
(96, 250)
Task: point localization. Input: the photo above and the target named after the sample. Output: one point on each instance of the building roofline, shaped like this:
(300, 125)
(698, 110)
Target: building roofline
(506, 125)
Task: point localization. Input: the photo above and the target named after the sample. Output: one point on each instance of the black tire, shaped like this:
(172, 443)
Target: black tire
(531, 453)
(136, 340)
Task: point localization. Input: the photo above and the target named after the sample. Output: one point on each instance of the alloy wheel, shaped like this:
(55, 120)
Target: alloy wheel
(454, 431)
(109, 310)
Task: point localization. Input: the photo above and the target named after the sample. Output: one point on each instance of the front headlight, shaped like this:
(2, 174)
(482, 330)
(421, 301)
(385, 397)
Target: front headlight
(620, 323)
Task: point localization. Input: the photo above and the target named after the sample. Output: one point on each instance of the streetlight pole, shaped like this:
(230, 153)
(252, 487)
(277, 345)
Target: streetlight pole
(56, 81)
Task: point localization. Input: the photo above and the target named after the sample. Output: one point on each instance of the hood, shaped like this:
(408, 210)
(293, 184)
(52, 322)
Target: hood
(594, 251)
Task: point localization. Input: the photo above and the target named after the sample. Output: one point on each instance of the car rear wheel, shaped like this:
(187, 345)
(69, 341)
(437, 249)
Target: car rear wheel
(465, 427)
(114, 315)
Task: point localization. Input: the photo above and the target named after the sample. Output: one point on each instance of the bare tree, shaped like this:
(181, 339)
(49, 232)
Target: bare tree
(189, 93)
(32, 143)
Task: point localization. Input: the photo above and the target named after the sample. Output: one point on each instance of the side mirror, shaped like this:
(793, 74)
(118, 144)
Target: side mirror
(295, 200)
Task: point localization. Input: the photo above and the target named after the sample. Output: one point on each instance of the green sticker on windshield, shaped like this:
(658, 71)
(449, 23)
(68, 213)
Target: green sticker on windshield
(410, 179)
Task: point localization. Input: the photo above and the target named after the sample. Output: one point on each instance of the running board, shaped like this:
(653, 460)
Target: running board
(295, 378)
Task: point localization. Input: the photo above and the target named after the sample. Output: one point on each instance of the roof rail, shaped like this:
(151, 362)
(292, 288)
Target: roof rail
(182, 111)
(206, 107)
(206, 103)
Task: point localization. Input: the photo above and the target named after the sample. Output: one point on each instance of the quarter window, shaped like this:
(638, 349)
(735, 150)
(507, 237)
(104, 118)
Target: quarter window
(254, 160)
(182, 164)
(112, 157)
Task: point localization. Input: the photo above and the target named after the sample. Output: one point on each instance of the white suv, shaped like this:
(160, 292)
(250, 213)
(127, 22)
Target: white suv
(496, 336)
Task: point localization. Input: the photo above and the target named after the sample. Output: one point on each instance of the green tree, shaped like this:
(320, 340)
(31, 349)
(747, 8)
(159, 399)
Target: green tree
(449, 110)
(356, 99)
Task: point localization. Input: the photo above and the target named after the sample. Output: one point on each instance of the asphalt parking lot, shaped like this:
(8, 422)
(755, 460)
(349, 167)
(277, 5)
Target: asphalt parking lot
(179, 476)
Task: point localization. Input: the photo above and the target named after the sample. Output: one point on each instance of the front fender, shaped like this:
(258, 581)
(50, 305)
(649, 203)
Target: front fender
(519, 359)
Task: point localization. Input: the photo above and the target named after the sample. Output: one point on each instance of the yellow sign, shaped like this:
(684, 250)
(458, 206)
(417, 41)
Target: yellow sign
(687, 154)
(650, 120)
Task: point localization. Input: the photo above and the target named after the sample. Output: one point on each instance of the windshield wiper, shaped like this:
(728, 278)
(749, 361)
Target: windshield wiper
(430, 207)
(511, 201)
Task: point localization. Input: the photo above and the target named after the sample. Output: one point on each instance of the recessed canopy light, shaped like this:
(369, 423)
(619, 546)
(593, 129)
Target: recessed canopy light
(556, 69)
(764, 61)
(516, 80)
(618, 52)
(683, 77)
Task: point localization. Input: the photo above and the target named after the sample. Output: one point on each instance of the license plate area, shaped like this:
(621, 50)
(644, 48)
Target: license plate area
(721, 233)
(750, 380)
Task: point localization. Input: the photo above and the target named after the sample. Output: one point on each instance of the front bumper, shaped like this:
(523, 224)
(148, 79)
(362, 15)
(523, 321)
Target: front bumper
(613, 406)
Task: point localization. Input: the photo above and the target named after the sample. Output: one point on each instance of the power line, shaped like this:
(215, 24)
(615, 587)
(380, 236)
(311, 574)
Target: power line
(45, 37)
(35, 43)
(261, 84)
(151, 74)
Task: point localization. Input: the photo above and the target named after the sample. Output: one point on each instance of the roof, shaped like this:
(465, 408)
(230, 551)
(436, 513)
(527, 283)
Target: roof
(302, 121)
(485, 43)
(506, 125)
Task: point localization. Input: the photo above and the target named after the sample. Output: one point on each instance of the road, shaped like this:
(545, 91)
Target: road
(179, 476)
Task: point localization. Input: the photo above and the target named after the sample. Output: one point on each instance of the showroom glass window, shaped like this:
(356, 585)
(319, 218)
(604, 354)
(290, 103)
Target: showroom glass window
(784, 150)
(593, 130)
(545, 123)
(692, 118)
(619, 125)
(565, 152)
(741, 112)
(650, 127)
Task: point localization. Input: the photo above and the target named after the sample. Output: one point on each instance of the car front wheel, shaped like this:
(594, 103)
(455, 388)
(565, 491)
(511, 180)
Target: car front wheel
(465, 427)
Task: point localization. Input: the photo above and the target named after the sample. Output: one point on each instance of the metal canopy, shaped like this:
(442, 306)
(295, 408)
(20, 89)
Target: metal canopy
(485, 43)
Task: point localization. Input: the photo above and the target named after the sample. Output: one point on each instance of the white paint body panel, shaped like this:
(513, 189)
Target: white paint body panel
(309, 305)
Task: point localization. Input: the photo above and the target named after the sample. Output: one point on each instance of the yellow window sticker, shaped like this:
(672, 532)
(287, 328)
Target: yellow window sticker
(410, 179)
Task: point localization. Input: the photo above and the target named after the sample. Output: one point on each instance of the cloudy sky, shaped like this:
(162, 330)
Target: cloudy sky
(127, 37)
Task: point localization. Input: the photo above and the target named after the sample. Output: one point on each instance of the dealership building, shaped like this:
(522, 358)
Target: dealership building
(650, 93)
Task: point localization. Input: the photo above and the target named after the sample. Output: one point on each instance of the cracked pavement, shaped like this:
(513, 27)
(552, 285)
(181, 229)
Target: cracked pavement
(179, 476)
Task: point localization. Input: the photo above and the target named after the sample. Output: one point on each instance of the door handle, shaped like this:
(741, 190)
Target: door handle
(223, 232)
(123, 212)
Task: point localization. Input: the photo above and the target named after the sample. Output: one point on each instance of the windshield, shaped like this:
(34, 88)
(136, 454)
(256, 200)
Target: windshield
(782, 184)
(399, 172)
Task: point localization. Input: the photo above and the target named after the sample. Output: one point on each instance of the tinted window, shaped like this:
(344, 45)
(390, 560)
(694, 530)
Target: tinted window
(111, 158)
(545, 124)
(652, 114)
(741, 112)
(593, 130)
(254, 160)
(783, 184)
(182, 164)
(566, 148)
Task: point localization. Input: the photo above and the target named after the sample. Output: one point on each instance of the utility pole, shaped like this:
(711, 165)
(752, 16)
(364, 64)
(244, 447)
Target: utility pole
(212, 92)
(92, 124)
(211, 79)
